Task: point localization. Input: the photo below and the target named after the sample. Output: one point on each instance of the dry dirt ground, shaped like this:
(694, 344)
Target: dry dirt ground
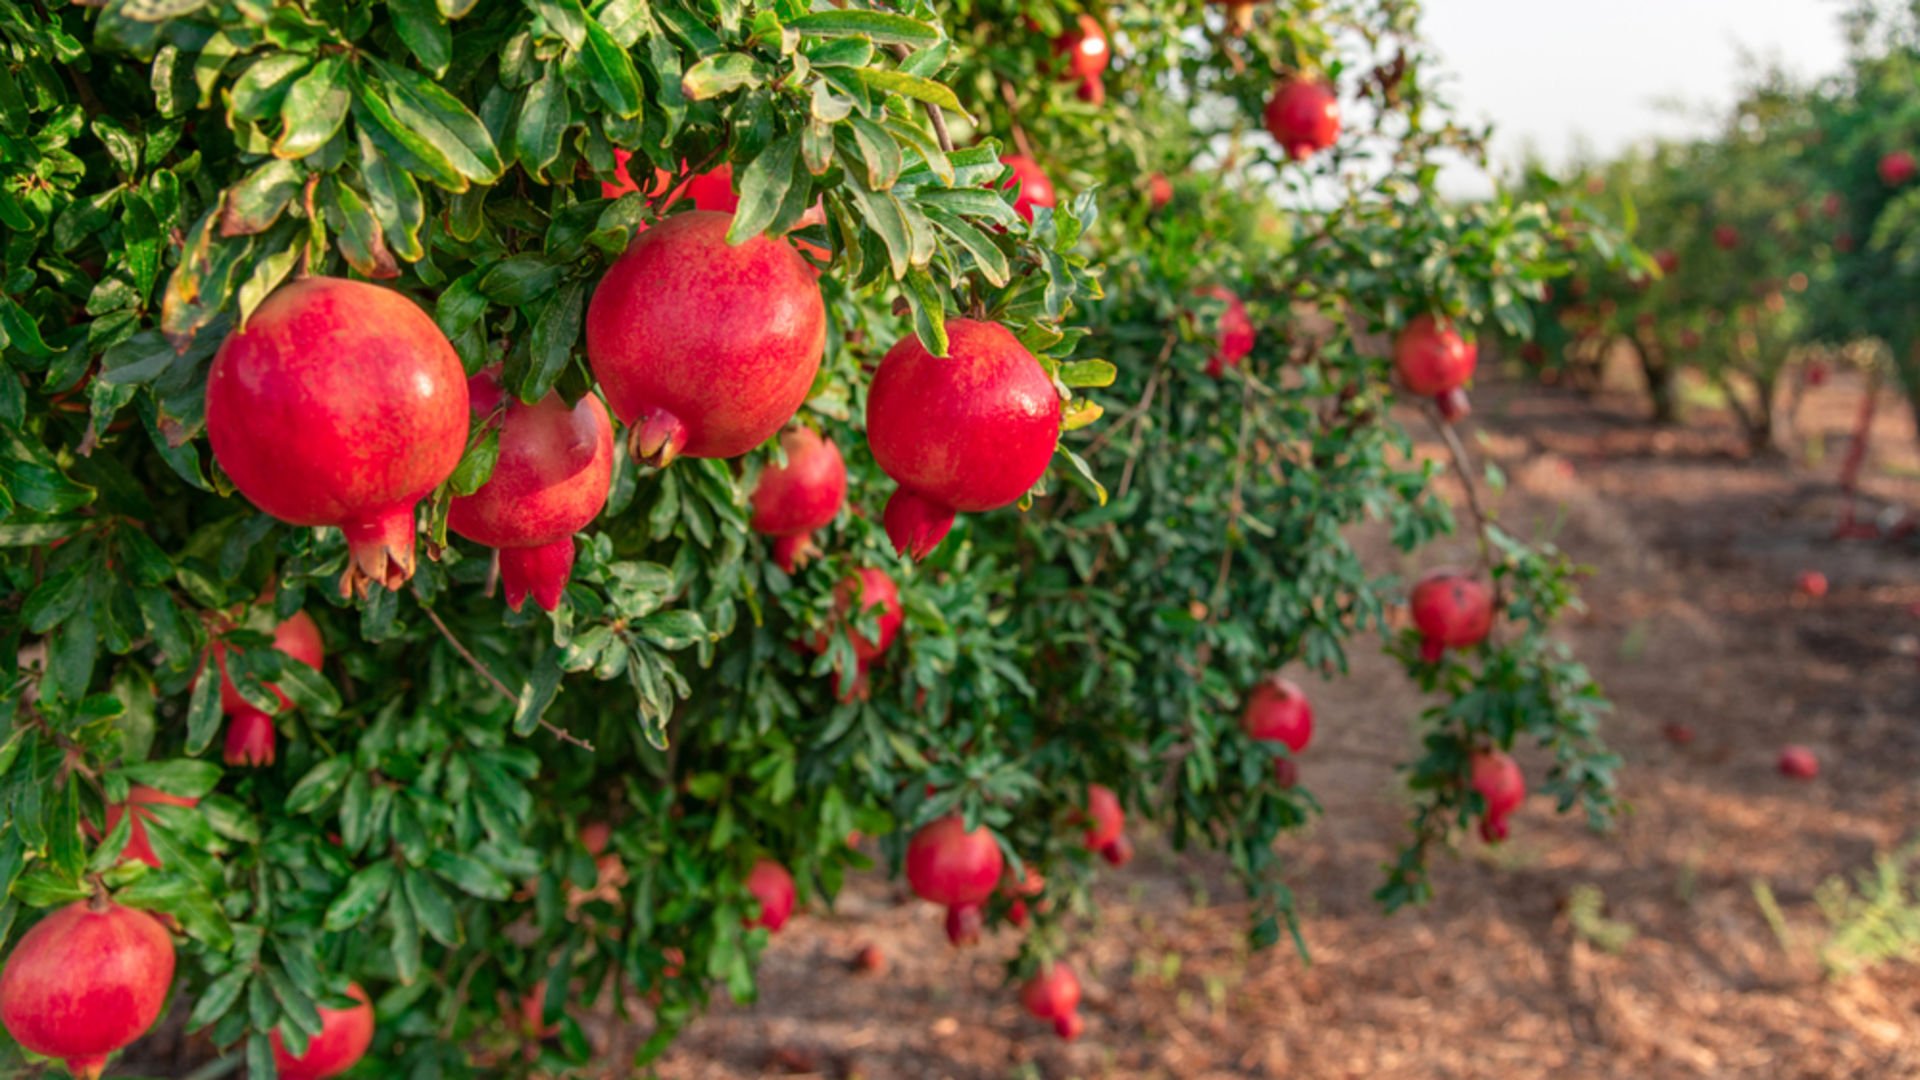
(1693, 619)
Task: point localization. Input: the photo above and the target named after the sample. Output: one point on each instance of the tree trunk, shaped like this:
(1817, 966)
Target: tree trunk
(1663, 382)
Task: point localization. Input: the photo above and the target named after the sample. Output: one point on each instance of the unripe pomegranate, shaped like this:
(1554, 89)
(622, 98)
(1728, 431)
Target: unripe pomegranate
(772, 886)
(1897, 168)
(1118, 852)
(139, 795)
(1304, 117)
(1052, 993)
(1035, 189)
(1432, 358)
(1069, 1027)
(1085, 48)
(340, 403)
(1799, 763)
(344, 1037)
(250, 738)
(1452, 610)
(805, 494)
(704, 348)
(85, 981)
(1234, 331)
(1454, 405)
(1106, 820)
(1812, 584)
(948, 865)
(1498, 779)
(1278, 711)
(963, 434)
(964, 923)
(1726, 237)
(1159, 191)
(550, 480)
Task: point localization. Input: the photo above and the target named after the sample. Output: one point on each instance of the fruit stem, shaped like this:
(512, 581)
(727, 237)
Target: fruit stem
(380, 551)
(657, 439)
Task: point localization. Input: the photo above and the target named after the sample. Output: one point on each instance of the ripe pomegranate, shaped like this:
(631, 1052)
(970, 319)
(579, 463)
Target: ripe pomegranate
(966, 433)
(1726, 237)
(1035, 189)
(250, 739)
(876, 590)
(1454, 405)
(1085, 47)
(1234, 331)
(594, 836)
(1106, 820)
(1432, 358)
(340, 403)
(805, 494)
(704, 348)
(1278, 711)
(1159, 191)
(550, 480)
(344, 1037)
(623, 182)
(1452, 610)
(85, 981)
(139, 795)
(1053, 992)
(964, 923)
(870, 960)
(1666, 260)
(1812, 584)
(1304, 117)
(1119, 852)
(772, 886)
(1017, 914)
(1897, 168)
(1799, 763)
(1498, 779)
(948, 865)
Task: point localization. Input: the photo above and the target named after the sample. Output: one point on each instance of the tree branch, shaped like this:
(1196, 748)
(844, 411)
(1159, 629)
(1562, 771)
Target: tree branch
(466, 654)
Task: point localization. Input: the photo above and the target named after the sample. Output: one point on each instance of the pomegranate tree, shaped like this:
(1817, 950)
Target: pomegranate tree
(805, 494)
(1303, 115)
(704, 348)
(344, 1037)
(549, 481)
(964, 433)
(340, 403)
(85, 981)
(1451, 610)
(250, 734)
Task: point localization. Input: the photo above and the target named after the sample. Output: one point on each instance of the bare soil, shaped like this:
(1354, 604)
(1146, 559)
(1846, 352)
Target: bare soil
(1693, 619)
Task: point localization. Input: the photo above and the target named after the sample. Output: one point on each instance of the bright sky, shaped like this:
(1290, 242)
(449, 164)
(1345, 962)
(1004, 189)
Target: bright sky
(1560, 75)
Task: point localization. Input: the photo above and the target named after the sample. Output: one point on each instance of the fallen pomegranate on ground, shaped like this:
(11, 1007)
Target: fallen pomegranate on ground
(345, 1034)
(551, 479)
(250, 733)
(85, 981)
(705, 349)
(1811, 584)
(969, 432)
(1799, 763)
(1451, 610)
(340, 403)
(805, 494)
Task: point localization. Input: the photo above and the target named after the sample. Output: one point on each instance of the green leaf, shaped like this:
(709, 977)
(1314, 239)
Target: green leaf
(878, 26)
(476, 465)
(469, 875)
(717, 75)
(218, 998)
(611, 73)
(912, 86)
(395, 199)
(365, 891)
(177, 776)
(537, 694)
(315, 106)
(987, 256)
(203, 710)
(763, 187)
(555, 331)
(423, 27)
(541, 123)
(357, 232)
(321, 783)
(673, 630)
(439, 118)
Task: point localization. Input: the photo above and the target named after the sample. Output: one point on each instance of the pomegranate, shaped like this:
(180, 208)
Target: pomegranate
(1432, 358)
(705, 348)
(1105, 819)
(250, 738)
(594, 836)
(772, 886)
(870, 960)
(805, 494)
(550, 480)
(1069, 1027)
(623, 182)
(1053, 992)
(1832, 204)
(1085, 48)
(1812, 584)
(340, 403)
(966, 433)
(1234, 331)
(964, 922)
(1498, 779)
(1017, 914)
(1118, 852)
(344, 1037)
(1666, 260)
(1897, 168)
(85, 981)
(876, 590)
(1799, 763)
(948, 865)
(138, 796)
(1452, 610)
(1278, 711)
(1726, 237)
(1304, 117)
(1159, 191)
(1035, 189)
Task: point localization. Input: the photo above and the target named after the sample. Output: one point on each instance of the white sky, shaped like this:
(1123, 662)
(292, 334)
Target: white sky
(1559, 75)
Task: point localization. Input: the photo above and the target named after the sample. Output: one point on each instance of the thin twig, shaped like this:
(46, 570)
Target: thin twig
(1482, 522)
(900, 52)
(558, 732)
(1233, 501)
(1013, 118)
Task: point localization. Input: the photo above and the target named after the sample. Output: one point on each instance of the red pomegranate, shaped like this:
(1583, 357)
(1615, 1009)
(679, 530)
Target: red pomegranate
(1799, 763)
(1053, 992)
(1304, 117)
(1726, 237)
(1452, 610)
(1666, 260)
(772, 886)
(1812, 584)
(138, 796)
(1085, 47)
(948, 865)
(1432, 358)
(340, 403)
(594, 836)
(705, 348)
(805, 494)
(1234, 332)
(1278, 711)
(1105, 819)
(1035, 189)
(965, 433)
(550, 480)
(1897, 168)
(964, 923)
(344, 1037)
(623, 182)
(1498, 779)
(85, 981)
(1159, 191)
(250, 737)
(876, 590)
